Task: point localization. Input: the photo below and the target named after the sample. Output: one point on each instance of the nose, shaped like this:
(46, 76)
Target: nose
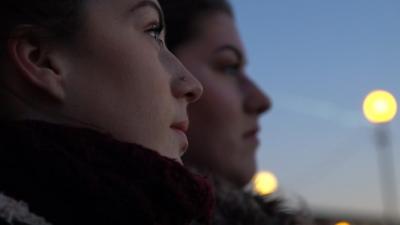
(185, 85)
(256, 101)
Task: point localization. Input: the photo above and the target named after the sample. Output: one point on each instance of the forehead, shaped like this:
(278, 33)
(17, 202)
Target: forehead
(219, 29)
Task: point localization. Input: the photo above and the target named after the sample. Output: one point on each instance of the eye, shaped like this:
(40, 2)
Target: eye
(233, 69)
(155, 32)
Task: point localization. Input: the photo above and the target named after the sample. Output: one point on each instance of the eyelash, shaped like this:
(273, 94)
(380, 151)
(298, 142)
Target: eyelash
(155, 32)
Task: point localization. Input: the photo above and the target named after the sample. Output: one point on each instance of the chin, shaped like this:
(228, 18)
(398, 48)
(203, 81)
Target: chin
(179, 160)
(241, 179)
(247, 176)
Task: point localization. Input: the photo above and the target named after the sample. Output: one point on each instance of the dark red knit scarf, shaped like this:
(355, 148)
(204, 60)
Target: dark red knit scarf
(79, 176)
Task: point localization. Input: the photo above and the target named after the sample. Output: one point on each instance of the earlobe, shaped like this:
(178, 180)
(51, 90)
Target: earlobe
(37, 64)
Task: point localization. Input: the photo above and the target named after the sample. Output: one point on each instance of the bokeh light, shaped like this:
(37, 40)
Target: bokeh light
(380, 107)
(265, 183)
(343, 223)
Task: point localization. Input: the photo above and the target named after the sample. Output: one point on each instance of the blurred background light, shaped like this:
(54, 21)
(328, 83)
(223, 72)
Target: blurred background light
(380, 107)
(265, 183)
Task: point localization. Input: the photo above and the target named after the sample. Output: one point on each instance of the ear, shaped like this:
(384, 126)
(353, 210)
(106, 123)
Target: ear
(37, 62)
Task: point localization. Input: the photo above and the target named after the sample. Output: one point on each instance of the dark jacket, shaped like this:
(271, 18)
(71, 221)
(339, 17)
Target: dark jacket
(53, 174)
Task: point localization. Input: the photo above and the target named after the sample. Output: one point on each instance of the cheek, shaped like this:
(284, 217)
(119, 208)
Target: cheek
(217, 119)
(122, 86)
(221, 103)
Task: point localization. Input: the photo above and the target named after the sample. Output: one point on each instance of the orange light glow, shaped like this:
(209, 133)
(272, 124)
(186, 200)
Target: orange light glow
(343, 223)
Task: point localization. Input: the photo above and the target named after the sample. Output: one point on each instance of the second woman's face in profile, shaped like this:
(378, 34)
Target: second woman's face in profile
(225, 121)
(124, 80)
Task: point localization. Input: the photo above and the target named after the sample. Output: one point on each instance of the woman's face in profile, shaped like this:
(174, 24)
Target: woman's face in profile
(224, 122)
(124, 80)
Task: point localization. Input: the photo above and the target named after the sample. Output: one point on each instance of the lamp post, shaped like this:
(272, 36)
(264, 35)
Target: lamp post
(265, 183)
(380, 108)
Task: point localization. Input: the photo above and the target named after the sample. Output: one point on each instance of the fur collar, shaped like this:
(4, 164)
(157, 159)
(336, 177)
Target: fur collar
(12, 211)
(235, 206)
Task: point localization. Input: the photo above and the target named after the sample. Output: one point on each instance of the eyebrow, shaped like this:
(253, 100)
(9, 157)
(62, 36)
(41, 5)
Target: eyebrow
(151, 4)
(232, 48)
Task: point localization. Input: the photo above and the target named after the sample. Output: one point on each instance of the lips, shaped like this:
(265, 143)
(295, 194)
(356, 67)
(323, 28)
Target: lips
(251, 133)
(181, 126)
(180, 129)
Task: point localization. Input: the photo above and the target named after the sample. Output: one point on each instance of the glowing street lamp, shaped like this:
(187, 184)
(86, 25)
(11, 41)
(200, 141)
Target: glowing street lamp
(265, 183)
(380, 108)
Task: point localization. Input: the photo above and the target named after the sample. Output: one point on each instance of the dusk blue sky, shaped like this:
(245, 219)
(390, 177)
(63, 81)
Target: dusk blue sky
(318, 59)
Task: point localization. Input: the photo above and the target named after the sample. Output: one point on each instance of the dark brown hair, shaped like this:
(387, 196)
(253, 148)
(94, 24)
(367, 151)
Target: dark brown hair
(182, 18)
(58, 18)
